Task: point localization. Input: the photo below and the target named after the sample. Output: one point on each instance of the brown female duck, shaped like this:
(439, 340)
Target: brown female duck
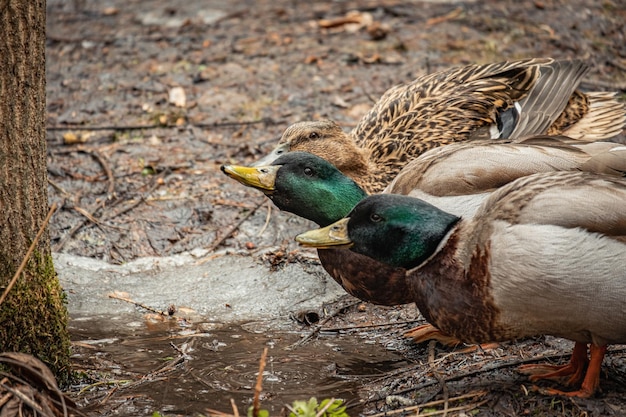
(501, 100)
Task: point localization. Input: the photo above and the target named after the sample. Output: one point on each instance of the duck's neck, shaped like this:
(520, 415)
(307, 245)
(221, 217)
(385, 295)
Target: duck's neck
(323, 203)
(356, 166)
(453, 293)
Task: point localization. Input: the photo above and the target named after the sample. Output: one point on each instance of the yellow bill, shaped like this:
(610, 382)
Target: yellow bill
(333, 236)
(261, 178)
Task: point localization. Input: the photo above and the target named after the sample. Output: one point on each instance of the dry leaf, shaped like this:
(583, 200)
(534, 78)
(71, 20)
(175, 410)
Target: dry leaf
(177, 97)
(339, 102)
(72, 138)
(110, 11)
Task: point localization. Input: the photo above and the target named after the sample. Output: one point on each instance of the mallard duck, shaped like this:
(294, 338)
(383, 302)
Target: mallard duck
(544, 255)
(311, 187)
(502, 100)
(457, 178)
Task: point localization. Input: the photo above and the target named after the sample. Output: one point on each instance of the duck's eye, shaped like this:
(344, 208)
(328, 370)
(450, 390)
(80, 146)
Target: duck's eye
(375, 218)
(279, 151)
(314, 135)
(308, 171)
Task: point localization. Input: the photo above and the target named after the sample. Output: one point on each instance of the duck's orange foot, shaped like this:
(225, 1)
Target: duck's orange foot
(427, 332)
(565, 374)
(574, 371)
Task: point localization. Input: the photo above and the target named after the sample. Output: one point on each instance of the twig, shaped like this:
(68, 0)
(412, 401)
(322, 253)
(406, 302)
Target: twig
(7, 397)
(101, 159)
(235, 410)
(74, 229)
(444, 412)
(32, 404)
(92, 210)
(238, 204)
(458, 376)
(99, 383)
(107, 170)
(434, 403)
(448, 16)
(84, 127)
(156, 183)
(437, 375)
(230, 231)
(128, 300)
(323, 410)
(266, 120)
(484, 369)
(318, 328)
(42, 228)
(35, 371)
(267, 219)
(94, 220)
(259, 384)
(177, 349)
(368, 326)
(58, 188)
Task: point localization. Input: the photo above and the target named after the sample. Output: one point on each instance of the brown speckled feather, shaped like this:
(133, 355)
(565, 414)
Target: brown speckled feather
(455, 105)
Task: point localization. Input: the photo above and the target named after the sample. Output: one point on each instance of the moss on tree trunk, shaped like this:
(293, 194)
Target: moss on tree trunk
(33, 318)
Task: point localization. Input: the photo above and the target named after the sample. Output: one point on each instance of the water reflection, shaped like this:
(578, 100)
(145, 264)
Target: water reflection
(175, 368)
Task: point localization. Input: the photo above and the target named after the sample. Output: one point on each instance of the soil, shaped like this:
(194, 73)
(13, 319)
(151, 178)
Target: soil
(146, 99)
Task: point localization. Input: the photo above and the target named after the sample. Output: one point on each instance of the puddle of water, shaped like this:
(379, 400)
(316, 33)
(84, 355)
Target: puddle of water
(221, 363)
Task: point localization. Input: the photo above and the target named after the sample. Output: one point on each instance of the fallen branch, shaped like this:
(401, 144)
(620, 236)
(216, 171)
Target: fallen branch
(268, 121)
(319, 326)
(218, 241)
(89, 214)
(107, 170)
(128, 300)
(157, 181)
(485, 369)
(368, 326)
(259, 385)
(435, 403)
(42, 228)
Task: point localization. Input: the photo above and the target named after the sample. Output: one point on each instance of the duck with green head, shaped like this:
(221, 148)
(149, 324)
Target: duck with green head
(545, 254)
(312, 188)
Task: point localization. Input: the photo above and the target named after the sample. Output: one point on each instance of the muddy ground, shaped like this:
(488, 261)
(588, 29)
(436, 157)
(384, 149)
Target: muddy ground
(146, 99)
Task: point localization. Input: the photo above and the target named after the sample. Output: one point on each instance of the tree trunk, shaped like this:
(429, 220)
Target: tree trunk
(33, 317)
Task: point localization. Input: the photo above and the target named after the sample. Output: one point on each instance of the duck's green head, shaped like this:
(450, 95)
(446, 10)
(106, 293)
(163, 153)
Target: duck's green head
(303, 184)
(398, 230)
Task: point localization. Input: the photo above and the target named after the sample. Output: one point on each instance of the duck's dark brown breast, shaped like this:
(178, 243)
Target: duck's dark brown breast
(458, 300)
(365, 278)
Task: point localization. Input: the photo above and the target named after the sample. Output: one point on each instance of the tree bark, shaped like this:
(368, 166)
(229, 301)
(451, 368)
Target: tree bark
(33, 317)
